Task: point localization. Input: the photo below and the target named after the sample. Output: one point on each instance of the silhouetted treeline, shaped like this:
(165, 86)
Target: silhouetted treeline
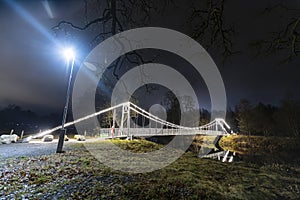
(14, 117)
(266, 120)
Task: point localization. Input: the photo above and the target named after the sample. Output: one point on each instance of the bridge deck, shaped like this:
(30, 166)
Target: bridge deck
(144, 132)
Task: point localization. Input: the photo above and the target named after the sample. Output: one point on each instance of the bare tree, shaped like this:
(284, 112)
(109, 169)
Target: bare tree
(209, 26)
(286, 38)
(107, 18)
(104, 18)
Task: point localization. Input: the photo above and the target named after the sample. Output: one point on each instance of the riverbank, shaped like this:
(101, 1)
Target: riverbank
(264, 149)
(78, 175)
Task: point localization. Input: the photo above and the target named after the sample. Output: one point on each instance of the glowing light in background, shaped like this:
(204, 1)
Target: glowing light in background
(69, 53)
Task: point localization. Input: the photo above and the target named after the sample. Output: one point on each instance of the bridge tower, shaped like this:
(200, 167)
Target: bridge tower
(125, 117)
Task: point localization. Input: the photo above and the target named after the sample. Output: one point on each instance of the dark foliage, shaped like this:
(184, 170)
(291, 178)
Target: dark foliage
(14, 117)
(268, 120)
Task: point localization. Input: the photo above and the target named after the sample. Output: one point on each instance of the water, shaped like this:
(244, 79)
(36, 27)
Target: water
(259, 158)
(218, 154)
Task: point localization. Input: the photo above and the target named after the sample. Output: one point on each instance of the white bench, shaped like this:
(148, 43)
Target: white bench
(7, 139)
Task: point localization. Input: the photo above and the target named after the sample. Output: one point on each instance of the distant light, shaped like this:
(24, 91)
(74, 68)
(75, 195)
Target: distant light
(69, 53)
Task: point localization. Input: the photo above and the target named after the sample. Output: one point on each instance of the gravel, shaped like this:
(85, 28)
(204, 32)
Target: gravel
(34, 148)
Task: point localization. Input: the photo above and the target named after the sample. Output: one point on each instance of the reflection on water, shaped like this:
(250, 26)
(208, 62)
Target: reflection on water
(207, 147)
(218, 154)
(271, 152)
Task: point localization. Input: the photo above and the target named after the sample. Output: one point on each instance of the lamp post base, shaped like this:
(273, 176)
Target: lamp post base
(61, 139)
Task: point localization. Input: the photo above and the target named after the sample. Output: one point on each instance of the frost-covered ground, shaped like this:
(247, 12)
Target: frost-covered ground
(33, 148)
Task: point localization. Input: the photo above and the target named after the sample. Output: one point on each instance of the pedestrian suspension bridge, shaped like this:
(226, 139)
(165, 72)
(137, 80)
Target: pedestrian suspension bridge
(150, 125)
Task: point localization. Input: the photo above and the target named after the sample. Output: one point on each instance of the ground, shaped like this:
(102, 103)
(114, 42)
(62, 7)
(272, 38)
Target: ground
(26, 149)
(78, 175)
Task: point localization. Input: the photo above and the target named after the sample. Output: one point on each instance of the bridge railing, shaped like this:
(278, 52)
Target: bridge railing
(144, 132)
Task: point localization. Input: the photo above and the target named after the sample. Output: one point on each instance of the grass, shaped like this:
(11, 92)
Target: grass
(78, 175)
(137, 146)
(263, 144)
(266, 149)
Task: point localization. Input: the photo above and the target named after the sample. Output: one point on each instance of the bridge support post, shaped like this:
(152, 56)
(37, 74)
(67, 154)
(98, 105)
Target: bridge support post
(122, 120)
(114, 120)
(128, 118)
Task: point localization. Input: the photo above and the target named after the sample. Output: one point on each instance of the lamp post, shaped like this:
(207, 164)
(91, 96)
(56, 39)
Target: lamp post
(70, 56)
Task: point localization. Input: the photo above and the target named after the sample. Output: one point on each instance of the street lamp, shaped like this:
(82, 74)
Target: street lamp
(70, 57)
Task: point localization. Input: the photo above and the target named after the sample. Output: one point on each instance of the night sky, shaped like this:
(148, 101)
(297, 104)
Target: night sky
(33, 73)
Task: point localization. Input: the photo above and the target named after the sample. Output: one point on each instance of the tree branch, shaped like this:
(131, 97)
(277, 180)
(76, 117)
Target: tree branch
(208, 25)
(286, 39)
(95, 21)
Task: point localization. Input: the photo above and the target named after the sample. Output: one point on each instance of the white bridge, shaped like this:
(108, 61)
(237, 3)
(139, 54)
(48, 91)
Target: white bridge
(155, 127)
